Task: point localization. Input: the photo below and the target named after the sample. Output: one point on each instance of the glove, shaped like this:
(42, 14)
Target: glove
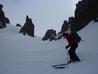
(67, 47)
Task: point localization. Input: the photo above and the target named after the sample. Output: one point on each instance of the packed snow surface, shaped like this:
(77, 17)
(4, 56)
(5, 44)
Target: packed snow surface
(26, 55)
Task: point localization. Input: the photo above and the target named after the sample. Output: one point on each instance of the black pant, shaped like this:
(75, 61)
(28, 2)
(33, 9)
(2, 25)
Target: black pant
(72, 54)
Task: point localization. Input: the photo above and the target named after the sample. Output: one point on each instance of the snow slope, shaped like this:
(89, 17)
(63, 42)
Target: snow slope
(25, 55)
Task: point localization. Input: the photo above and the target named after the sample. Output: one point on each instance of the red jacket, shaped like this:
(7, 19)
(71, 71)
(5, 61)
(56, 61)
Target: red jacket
(69, 38)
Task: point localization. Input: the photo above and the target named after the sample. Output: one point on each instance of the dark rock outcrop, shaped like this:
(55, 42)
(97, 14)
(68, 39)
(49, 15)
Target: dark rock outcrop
(86, 10)
(3, 20)
(28, 27)
(49, 35)
(64, 27)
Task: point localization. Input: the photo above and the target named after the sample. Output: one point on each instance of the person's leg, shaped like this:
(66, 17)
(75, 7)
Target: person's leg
(72, 54)
(76, 58)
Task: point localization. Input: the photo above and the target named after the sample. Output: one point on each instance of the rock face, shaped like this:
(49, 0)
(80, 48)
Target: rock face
(49, 35)
(3, 20)
(86, 10)
(28, 27)
(64, 27)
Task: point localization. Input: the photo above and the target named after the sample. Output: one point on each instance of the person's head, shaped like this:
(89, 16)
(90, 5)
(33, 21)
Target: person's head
(68, 29)
(1, 6)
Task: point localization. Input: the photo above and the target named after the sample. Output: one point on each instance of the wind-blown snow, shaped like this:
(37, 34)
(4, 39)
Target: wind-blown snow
(26, 55)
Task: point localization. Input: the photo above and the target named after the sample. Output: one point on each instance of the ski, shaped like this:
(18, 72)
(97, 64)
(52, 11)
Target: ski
(59, 66)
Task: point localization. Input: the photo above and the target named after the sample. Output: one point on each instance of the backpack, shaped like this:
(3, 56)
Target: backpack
(76, 37)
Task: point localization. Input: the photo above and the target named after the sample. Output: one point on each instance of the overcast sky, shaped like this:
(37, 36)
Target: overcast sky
(45, 14)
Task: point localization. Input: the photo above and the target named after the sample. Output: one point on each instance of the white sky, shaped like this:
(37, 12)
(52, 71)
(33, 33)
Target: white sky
(45, 14)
